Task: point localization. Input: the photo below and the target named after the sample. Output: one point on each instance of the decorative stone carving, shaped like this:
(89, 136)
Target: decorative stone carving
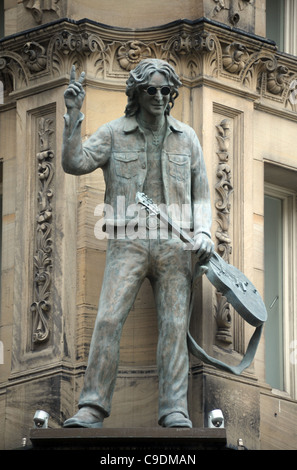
(131, 53)
(34, 56)
(223, 319)
(276, 80)
(182, 43)
(231, 9)
(234, 57)
(67, 42)
(11, 63)
(42, 306)
(205, 42)
(38, 7)
(195, 50)
(224, 190)
(67, 48)
(185, 43)
(291, 93)
(220, 5)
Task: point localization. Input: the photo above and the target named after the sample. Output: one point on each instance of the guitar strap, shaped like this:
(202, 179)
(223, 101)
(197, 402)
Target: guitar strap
(256, 317)
(199, 352)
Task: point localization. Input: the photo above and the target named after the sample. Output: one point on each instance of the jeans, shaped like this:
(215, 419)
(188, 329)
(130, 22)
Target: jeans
(168, 267)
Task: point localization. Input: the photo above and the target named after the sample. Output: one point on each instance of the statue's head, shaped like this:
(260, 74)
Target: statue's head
(140, 77)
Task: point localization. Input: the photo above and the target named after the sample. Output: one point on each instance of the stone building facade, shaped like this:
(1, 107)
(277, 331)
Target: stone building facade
(239, 94)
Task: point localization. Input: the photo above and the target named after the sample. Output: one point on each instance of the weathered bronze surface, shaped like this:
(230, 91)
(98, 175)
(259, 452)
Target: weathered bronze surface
(146, 150)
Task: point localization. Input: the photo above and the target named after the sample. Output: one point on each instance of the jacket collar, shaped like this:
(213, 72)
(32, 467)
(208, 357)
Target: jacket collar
(131, 124)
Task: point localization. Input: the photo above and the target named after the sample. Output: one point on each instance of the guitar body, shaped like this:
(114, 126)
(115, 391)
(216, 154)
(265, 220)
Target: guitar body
(237, 289)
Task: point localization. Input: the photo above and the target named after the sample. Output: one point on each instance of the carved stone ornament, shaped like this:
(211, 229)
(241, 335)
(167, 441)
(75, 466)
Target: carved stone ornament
(41, 306)
(131, 53)
(67, 42)
(196, 49)
(224, 190)
(38, 7)
(234, 57)
(233, 8)
(12, 64)
(223, 320)
(276, 80)
(291, 93)
(34, 56)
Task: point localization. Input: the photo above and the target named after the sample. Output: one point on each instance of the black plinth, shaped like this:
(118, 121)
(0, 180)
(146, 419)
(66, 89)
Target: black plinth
(129, 439)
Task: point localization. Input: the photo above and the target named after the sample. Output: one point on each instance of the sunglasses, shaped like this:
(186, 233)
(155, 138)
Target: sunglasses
(152, 90)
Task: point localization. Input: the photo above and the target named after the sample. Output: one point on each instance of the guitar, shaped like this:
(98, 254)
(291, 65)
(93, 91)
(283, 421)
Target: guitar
(230, 282)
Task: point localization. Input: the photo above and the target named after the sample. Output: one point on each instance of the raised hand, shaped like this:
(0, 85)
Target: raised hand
(75, 94)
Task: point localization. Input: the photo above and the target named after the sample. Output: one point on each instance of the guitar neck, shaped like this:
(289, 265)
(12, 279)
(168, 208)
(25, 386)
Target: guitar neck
(175, 228)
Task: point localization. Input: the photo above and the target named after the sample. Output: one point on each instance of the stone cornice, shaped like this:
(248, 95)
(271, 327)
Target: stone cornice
(171, 27)
(203, 49)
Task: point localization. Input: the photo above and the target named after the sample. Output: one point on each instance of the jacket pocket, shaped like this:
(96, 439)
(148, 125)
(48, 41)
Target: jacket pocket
(126, 164)
(179, 166)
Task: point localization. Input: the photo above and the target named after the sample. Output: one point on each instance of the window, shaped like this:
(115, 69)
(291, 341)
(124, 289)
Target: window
(280, 288)
(275, 22)
(273, 211)
(281, 24)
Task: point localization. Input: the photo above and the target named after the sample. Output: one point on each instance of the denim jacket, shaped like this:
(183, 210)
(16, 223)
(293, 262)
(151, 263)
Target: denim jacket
(119, 148)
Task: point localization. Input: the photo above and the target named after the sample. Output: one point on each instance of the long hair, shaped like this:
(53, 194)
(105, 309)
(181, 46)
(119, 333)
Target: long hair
(139, 78)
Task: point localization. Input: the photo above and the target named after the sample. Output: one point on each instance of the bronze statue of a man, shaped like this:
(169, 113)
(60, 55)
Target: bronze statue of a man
(146, 151)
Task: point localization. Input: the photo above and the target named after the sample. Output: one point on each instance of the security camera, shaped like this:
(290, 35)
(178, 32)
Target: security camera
(215, 419)
(41, 419)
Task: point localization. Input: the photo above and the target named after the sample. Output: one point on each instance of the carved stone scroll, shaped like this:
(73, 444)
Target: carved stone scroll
(131, 53)
(224, 190)
(34, 56)
(42, 304)
(234, 57)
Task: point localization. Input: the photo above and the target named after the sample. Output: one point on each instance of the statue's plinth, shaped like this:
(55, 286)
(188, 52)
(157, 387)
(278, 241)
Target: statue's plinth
(129, 439)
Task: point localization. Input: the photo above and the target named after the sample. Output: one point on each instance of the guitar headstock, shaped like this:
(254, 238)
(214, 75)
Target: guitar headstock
(143, 199)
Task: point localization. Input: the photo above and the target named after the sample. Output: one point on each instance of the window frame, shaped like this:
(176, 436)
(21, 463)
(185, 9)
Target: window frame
(289, 225)
(284, 29)
(290, 27)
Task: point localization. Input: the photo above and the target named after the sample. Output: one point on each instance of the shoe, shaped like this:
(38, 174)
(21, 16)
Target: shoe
(176, 420)
(86, 417)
